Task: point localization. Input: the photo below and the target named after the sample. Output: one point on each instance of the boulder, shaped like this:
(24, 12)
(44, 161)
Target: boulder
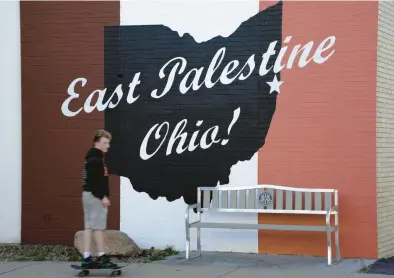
(116, 243)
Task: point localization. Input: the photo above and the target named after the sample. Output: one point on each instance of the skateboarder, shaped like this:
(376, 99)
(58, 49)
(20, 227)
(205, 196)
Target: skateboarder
(95, 201)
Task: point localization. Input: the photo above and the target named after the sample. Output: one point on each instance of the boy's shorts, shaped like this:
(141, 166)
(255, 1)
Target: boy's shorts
(95, 214)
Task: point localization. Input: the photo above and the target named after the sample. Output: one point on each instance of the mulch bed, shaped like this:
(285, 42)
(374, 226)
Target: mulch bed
(28, 252)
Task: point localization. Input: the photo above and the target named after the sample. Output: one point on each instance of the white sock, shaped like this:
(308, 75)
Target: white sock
(86, 254)
(100, 254)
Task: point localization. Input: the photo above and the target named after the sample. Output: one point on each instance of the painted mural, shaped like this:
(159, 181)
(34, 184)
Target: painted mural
(182, 113)
(198, 93)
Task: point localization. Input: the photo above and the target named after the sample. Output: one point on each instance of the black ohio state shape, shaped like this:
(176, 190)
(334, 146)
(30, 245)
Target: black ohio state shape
(130, 50)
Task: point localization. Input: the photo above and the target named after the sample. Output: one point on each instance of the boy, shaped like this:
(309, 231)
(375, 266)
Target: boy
(95, 200)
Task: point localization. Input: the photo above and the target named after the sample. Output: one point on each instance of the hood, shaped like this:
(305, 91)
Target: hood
(94, 152)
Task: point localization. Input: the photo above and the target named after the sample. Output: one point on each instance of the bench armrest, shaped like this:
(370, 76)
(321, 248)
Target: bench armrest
(331, 211)
(187, 216)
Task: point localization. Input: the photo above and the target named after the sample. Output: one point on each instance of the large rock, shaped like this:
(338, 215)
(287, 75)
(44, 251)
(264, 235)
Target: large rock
(116, 243)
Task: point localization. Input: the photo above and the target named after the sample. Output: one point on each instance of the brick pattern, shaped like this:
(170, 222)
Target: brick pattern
(385, 129)
(60, 41)
(323, 133)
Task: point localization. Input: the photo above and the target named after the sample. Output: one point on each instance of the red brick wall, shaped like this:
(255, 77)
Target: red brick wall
(323, 134)
(60, 41)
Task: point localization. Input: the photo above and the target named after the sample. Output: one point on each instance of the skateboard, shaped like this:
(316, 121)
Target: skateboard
(85, 272)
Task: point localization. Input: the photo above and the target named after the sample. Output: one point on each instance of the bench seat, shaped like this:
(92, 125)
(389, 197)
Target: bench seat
(213, 225)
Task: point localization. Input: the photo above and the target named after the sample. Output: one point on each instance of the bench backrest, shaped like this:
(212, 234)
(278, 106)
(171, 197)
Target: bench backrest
(266, 199)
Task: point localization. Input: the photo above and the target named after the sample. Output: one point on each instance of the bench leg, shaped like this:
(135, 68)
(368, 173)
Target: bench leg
(187, 229)
(199, 241)
(337, 252)
(187, 242)
(329, 253)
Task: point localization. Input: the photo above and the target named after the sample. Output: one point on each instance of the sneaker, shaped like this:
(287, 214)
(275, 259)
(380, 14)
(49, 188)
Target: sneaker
(88, 263)
(104, 262)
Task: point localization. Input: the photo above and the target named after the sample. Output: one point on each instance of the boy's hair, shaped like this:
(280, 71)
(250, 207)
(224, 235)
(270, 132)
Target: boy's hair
(101, 133)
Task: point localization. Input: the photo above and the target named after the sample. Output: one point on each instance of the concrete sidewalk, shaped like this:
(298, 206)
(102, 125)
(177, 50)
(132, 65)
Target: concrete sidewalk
(210, 265)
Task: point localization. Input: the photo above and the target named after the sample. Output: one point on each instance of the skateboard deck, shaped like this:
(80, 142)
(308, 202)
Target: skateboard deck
(86, 271)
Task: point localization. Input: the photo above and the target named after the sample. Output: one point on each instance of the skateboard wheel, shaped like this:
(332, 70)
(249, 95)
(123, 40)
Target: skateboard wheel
(83, 273)
(116, 273)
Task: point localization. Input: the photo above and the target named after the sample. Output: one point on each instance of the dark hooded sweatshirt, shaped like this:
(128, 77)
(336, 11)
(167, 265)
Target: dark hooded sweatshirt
(95, 174)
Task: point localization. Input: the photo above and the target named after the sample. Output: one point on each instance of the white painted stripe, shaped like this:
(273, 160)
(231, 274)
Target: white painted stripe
(158, 222)
(10, 116)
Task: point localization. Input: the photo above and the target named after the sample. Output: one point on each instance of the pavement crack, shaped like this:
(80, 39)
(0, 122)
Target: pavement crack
(228, 272)
(12, 270)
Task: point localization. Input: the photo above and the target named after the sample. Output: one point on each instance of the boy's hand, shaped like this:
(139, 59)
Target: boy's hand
(105, 202)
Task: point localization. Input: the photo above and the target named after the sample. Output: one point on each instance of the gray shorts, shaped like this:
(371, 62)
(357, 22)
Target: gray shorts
(95, 214)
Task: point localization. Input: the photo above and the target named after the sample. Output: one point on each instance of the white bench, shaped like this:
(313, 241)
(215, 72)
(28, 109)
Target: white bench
(266, 199)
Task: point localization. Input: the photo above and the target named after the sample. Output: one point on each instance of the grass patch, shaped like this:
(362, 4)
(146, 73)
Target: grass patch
(38, 252)
(153, 254)
(364, 269)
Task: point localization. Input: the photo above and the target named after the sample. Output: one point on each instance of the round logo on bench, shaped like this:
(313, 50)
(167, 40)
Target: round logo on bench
(265, 199)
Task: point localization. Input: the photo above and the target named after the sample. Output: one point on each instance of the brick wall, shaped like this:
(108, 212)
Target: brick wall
(323, 133)
(60, 41)
(385, 129)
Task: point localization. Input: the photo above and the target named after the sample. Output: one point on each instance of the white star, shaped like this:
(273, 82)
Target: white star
(275, 85)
